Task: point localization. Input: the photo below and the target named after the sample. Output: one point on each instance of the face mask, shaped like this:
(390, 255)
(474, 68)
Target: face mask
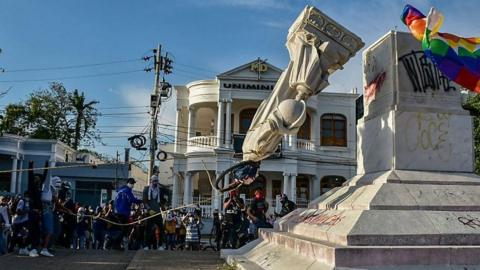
(190, 219)
(154, 185)
(130, 185)
(258, 196)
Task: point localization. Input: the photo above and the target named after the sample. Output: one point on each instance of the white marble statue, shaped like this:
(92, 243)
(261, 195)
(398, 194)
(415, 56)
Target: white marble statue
(317, 47)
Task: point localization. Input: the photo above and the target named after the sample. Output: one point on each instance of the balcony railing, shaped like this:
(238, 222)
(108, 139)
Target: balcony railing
(202, 143)
(305, 145)
(238, 140)
(208, 143)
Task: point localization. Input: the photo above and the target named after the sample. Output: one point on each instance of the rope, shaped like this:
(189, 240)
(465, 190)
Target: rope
(233, 186)
(149, 217)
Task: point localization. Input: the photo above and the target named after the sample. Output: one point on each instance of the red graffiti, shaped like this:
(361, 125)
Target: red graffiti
(320, 219)
(374, 87)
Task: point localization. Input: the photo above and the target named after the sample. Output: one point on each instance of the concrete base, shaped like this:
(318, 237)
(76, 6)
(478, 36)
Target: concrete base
(384, 220)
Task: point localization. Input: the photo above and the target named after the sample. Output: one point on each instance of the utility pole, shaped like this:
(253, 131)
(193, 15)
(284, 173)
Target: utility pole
(155, 102)
(160, 89)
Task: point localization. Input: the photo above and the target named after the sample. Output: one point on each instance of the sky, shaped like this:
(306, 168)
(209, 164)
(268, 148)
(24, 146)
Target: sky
(204, 38)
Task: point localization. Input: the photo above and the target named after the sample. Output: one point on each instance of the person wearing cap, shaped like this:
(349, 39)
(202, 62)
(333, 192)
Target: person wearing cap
(233, 206)
(153, 200)
(123, 204)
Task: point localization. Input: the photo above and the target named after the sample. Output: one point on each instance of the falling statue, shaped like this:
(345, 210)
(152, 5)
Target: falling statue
(317, 48)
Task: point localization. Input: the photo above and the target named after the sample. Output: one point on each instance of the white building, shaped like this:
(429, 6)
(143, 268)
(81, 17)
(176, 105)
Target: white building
(87, 172)
(214, 115)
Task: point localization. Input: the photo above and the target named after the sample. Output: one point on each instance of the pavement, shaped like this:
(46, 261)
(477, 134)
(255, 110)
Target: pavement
(169, 260)
(66, 259)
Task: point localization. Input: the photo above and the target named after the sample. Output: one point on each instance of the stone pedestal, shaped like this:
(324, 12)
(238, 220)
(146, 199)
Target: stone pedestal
(414, 203)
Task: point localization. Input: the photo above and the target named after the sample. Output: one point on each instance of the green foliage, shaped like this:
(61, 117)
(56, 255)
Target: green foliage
(53, 113)
(473, 105)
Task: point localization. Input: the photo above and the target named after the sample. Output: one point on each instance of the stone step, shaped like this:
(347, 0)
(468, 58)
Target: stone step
(357, 256)
(400, 196)
(318, 250)
(384, 227)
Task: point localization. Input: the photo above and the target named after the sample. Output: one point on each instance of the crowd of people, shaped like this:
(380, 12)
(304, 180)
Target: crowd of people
(46, 215)
(239, 222)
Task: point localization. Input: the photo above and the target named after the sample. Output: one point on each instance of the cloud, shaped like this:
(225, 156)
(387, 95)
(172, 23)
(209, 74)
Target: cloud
(135, 95)
(277, 24)
(251, 4)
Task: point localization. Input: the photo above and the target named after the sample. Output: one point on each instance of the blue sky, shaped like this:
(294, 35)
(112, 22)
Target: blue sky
(205, 37)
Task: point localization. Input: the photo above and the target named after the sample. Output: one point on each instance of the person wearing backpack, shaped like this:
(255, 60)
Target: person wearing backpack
(123, 204)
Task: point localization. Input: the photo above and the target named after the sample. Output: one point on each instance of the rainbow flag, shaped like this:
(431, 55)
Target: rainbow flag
(456, 57)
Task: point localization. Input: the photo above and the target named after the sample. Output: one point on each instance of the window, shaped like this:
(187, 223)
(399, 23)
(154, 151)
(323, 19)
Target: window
(334, 130)
(246, 117)
(304, 131)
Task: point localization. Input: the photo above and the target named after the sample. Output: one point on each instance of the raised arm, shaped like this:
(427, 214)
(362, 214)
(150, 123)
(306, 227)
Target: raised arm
(45, 172)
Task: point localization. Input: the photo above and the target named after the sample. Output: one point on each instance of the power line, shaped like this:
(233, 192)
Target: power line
(195, 67)
(73, 77)
(71, 66)
(120, 107)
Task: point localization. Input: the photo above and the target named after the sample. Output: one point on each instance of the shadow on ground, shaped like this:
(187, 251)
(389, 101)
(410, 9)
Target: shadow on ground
(116, 260)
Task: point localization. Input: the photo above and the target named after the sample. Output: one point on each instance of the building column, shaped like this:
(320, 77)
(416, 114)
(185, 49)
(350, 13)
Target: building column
(13, 177)
(176, 146)
(316, 130)
(191, 122)
(19, 178)
(228, 125)
(293, 187)
(286, 186)
(220, 123)
(285, 142)
(175, 190)
(217, 197)
(293, 142)
(315, 187)
(187, 190)
(226, 182)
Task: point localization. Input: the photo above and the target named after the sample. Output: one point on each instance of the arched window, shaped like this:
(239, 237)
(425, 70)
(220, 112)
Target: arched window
(246, 117)
(330, 181)
(334, 130)
(304, 131)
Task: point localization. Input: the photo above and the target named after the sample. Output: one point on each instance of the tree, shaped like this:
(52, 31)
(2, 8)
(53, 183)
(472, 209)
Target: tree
(48, 113)
(473, 105)
(85, 118)
(53, 113)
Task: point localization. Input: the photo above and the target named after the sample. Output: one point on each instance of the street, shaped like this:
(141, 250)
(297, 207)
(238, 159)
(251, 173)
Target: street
(115, 260)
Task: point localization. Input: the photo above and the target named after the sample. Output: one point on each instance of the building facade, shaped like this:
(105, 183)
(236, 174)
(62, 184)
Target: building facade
(88, 175)
(213, 117)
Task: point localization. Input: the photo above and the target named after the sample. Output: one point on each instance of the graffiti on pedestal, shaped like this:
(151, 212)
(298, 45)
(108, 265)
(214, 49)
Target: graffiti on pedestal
(319, 217)
(423, 74)
(470, 221)
(429, 132)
